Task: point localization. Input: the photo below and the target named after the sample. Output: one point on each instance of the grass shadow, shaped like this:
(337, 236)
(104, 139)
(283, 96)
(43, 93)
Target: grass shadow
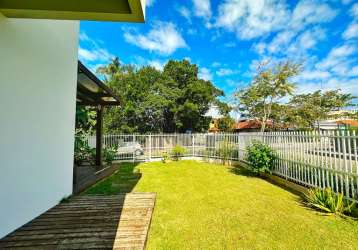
(239, 170)
(287, 188)
(243, 171)
(122, 181)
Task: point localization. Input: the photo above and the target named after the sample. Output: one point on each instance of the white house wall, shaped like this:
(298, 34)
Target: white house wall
(38, 72)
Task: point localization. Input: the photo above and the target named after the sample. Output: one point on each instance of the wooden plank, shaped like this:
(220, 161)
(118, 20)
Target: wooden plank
(89, 222)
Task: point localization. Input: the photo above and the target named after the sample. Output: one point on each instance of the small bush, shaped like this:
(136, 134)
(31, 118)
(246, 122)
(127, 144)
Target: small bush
(178, 152)
(109, 154)
(226, 150)
(83, 152)
(260, 157)
(205, 154)
(328, 201)
(165, 157)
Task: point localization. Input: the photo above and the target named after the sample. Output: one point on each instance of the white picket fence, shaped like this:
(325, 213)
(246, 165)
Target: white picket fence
(313, 159)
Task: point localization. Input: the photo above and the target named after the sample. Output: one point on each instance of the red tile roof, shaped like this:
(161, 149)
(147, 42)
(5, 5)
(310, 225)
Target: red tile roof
(250, 124)
(348, 122)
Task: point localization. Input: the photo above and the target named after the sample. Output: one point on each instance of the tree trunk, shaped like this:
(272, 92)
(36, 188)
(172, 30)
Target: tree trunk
(263, 126)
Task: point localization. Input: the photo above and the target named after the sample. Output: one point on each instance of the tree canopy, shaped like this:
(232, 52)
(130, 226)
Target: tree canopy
(264, 98)
(269, 85)
(172, 100)
(307, 109)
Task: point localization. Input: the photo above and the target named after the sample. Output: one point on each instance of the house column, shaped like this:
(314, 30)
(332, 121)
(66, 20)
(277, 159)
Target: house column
(99, 128)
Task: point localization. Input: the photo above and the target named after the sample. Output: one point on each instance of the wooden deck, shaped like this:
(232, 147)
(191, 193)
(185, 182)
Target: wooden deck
(88, 222)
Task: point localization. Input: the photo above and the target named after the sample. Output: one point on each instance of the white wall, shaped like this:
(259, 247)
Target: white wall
(38, 72)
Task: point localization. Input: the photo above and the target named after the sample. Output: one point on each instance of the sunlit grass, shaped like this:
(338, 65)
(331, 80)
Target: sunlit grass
(206, 206)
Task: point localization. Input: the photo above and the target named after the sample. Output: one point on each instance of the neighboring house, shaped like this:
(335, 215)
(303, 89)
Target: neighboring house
(38, 79)
(215, 115)
(337, 124)
(339, 119)
(347, 124)
(214, 126)
(250, 125)
(342, 114)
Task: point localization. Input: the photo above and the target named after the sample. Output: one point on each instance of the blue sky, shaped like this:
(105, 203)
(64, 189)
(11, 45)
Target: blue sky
(227, 39)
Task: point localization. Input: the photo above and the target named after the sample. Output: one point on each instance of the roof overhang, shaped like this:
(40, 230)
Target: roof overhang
(100, 10)
(91, 91)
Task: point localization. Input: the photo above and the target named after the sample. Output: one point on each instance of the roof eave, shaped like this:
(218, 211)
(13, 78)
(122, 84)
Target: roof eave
(130, 11)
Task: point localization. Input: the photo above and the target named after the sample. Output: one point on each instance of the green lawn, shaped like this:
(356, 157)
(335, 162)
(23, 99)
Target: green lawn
(206, 206)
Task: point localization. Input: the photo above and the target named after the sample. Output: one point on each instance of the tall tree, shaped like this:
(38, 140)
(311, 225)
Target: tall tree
(171, 100)
(308, 109)
(225, 123)
(269, 85)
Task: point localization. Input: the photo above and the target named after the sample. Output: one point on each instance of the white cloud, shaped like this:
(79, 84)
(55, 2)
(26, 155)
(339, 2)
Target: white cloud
(252, 18)
(345, 84)
(257, 18)
(335, 71)
(341, 69)
(314, 75)
(309, 12)
(185, 12)
(86, 55)
(353, 72)
(281, 40)
(354, 11)
(304, 42)
(225, 72)
(92, 52)
(340, 63)
(140, 61)
(163, 38)
(346, 1)
(260, 47)
(84, 37)
(202, 8)
(149, 3)
(231, 83)
(342, 51)
(204, 73)
(288, 43)
(337, 55)
(188, 59)
(216, 64)
(351, 31)
(159, 65)
(310, 38)
(192, 31)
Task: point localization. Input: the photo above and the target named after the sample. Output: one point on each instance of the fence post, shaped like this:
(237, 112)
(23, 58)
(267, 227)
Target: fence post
(150, 147)
(193, 142)
(133, 140)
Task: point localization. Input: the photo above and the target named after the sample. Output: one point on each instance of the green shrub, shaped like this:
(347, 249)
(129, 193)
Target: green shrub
(178, 152)
(226, 150)
(109, 154)
(328, 201)
(205, 154)
(260, 157)
(165, 157)
(83, 152)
